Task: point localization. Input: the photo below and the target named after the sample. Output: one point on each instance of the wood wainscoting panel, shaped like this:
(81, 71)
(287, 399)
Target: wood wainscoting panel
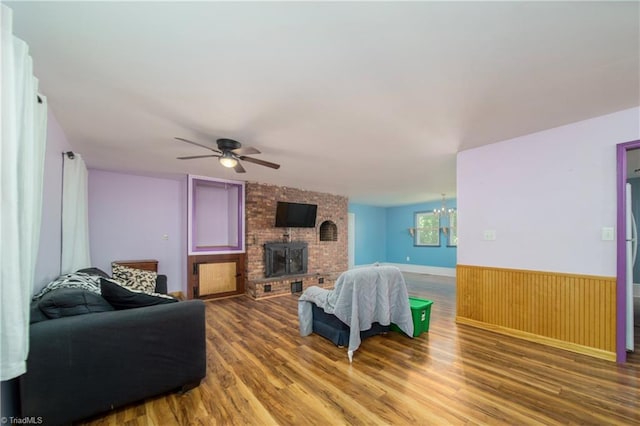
(573, 312)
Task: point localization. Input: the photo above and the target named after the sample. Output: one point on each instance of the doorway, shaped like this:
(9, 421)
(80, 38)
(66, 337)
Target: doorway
(627, 336)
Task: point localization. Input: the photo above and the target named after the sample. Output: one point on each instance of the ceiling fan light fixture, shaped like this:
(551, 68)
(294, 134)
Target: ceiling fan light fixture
(228, 160)
(229, 154)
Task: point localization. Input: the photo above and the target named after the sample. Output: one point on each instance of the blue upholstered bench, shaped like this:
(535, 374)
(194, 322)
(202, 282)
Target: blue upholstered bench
(330, 327)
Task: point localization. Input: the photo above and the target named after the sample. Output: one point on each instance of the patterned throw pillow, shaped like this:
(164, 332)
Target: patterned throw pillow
(135, 279)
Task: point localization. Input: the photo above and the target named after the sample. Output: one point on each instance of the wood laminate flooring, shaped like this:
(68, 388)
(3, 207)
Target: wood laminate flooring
(261, 372)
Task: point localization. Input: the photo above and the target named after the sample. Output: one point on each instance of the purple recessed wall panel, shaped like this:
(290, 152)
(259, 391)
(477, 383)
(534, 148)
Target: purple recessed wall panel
(139, 217)
(213, 226)
(216, 216)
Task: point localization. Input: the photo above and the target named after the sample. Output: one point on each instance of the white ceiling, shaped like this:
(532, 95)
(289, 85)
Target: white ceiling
(371, 100)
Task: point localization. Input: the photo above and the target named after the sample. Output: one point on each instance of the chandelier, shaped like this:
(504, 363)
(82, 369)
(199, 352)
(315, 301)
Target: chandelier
(444, 218)
(443, 210)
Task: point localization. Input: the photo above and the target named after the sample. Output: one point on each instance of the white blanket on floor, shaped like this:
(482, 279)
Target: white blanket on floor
(361, 297)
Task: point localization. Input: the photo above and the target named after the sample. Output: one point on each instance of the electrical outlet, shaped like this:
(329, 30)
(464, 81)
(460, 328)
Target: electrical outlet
(490, 235)
(267, 288)
(320, 280)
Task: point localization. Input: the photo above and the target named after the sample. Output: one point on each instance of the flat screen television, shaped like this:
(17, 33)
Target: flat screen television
(295, 215)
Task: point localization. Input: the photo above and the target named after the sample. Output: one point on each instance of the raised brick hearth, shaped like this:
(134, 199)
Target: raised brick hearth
(283, 285)
(326, 259)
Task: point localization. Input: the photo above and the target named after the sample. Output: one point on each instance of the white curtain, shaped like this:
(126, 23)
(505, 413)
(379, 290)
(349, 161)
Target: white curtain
(24, 127)
(75, 215)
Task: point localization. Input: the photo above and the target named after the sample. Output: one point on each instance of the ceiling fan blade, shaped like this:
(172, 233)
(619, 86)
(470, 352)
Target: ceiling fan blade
(191, 157)
(245, 151)
(197, 144)
(260, 162)
(239, 169)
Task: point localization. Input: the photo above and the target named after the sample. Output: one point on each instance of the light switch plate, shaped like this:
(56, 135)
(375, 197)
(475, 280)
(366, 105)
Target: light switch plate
(608, 234)
(490, 235)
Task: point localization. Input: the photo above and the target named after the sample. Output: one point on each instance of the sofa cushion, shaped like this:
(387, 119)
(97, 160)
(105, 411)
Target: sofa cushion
(66, 302)
(122, 297)
(35, 314)
(137, 279)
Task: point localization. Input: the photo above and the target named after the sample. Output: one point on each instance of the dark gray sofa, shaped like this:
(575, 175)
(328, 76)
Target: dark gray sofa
(82, 365)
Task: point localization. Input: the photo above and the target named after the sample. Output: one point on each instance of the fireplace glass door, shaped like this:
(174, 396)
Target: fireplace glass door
(285, 259)
(296, 261)
(279, 261)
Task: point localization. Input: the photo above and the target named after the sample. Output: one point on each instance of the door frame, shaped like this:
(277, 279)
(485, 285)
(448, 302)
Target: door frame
(621, 251)
(351, 239)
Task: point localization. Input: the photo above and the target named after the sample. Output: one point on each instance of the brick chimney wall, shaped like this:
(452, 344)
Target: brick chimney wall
(325, 257)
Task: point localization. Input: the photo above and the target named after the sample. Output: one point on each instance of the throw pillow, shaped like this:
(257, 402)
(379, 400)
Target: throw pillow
(121, 297)
(136, 279)
(67, 302)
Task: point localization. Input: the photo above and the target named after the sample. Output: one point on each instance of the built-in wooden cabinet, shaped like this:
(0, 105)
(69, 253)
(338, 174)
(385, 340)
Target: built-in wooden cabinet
(216, 238)
(219, 275)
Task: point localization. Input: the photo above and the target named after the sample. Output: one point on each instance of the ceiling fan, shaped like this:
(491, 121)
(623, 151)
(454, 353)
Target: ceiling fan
(229, 154)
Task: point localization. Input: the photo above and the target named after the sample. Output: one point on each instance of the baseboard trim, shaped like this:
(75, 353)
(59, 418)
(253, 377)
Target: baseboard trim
(422, 269)
(581, 349)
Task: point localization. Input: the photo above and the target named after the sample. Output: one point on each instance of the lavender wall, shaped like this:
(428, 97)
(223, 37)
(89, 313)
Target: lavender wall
(49, 251)
(547, 195)
(129, 216)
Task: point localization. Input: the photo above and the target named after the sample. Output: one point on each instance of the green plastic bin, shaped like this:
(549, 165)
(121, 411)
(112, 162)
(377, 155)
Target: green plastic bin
(420, 313)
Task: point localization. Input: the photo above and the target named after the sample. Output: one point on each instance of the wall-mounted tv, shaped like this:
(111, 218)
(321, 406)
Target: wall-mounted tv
(295, 215)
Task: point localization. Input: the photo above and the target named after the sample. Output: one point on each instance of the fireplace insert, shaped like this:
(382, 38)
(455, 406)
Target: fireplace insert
(285, 259)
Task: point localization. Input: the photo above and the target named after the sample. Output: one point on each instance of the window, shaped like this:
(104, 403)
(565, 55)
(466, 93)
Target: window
(427, 231)
(453, 229)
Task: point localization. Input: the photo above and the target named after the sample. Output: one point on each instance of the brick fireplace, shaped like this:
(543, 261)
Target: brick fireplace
(326, 243)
